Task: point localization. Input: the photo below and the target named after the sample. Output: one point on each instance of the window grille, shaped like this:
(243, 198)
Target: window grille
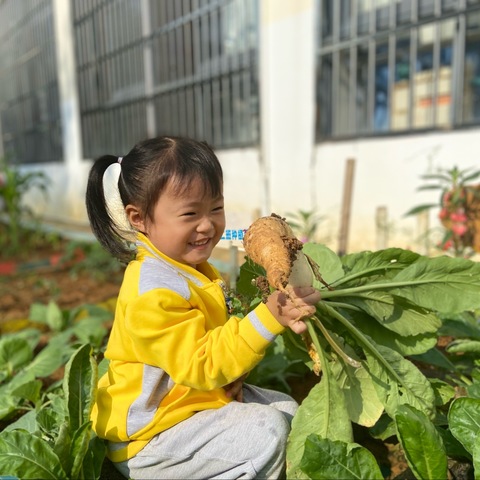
(29, 99)
(408, 65)
(177, 67)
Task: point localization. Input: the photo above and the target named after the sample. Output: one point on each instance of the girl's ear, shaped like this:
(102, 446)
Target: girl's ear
(135, 217)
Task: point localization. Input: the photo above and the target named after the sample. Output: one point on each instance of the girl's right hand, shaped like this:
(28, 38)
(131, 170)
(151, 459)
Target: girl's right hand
(289, 310)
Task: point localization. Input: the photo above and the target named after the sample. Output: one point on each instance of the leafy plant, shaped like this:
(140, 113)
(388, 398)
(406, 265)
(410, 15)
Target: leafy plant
(305, 224)
(14, 184)
(96, 260)
(379, 309)
(56, 441)
(459, 205)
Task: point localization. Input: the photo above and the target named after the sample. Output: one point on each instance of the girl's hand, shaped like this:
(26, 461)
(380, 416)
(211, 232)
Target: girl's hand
(234, 389)
(290, 309)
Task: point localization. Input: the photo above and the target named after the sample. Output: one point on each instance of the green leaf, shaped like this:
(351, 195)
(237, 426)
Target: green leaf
(435, 357)
(407, 385)
(93, 459)
(405, 345)
(444, 392)
(79, 448)
(326, 459)
(396, 313)
(371, 266)
(29, 391)
(364, 407)
(28, 457)
(27, 422)
(14, 354)
(464, 346)
(79, 386)
(90, 330)
(420, 208)
(46, 361)
(324, 413)
(464, 421)
(62, 445)
(476, 458)
(249, 271)
(441, 284)
(329, 263)
(422, 444)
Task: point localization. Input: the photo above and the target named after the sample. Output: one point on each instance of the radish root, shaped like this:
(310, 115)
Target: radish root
(271, 243)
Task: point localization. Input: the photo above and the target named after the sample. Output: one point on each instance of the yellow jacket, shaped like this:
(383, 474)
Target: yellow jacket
(172, 349)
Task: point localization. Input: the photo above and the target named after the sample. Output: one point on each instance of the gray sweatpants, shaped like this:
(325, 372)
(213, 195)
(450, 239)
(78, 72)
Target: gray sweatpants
(238, 441)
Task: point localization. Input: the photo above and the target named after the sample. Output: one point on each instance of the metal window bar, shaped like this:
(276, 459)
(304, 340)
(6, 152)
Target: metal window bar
(441, 11)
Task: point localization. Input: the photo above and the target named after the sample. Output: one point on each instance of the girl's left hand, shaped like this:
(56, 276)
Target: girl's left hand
(234, 390)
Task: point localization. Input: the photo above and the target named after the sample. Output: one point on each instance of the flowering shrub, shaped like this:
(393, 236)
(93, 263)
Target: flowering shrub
(459, 209)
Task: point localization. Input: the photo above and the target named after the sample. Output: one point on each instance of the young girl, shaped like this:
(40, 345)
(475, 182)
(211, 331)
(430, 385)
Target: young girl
(173, 403)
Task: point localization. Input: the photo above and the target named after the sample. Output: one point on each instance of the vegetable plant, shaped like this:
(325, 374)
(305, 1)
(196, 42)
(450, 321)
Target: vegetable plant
(378, 311)
(56, 441)
(14, 184)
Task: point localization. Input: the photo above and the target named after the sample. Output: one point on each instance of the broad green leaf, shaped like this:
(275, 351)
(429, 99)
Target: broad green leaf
(326, 459)
(31, 335)
(396, 313)
(364, 407)
(444, 392)
(464, 421)
(8, 405)
(443, 284)
(406, 385)
(324, 413)
(90, 330)
(249, 270)
(27, 422)
(476, 458)
(46, 361)
(8, 402)
(452, 446)
(463, 324)
(373, 265)
(422, 444)
(464, 346)
(329, 264)
(62, 445)
(406, 345)
(14, 354)
(79, 448)
(28, 457)
(93, 459)
(435, 357)
(79, 386)
(29, 391)
(55, 318)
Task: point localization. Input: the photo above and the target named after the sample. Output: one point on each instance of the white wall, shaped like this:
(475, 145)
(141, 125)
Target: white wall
(289, 172)
(388, 174)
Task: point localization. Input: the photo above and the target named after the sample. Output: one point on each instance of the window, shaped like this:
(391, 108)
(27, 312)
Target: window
(30, 111)
(179, 68)
(471, 74)
(400, 70)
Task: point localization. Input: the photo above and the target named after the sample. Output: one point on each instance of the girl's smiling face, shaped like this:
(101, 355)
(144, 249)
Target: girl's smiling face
(187, 222)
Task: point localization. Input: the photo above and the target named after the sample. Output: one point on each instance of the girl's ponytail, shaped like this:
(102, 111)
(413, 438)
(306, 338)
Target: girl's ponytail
(103, 225)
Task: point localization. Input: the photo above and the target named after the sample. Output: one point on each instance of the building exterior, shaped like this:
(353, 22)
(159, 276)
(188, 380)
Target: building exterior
(333, 106)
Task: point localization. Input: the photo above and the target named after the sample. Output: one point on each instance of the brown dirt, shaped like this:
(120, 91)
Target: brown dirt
(64, 283)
